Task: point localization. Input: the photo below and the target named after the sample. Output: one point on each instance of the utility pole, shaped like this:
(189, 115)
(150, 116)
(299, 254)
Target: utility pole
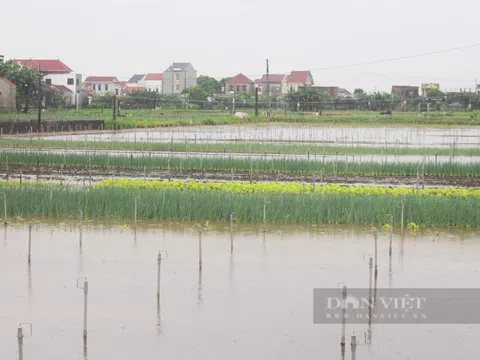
(114, 108)
(39, 99)
(269, 111)
(233, 100)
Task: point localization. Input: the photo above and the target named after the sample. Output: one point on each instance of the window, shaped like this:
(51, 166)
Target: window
(244, 87)
(238, 88)
(177, 76)
(99, 87)
(156, 90)
(48, 81)
(230, 88)
(93, 86)
(70, 81)
(106, 87)
(177, 87)
(116, 91)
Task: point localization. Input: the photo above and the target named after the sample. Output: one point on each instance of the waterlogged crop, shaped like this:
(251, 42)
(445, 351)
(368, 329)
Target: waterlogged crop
(286, 188)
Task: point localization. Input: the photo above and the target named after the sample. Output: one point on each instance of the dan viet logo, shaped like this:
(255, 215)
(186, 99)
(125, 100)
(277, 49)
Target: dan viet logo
(407, 306)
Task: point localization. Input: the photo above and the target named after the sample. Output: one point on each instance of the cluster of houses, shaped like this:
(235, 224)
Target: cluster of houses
(76, 92)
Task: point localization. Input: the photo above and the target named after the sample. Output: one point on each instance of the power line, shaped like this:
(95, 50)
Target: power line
(398, 58)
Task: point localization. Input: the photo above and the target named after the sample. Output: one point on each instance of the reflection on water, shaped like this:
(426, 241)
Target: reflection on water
(269, 315)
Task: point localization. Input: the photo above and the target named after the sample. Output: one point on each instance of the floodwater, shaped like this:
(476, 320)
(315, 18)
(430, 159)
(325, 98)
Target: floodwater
(382, 159)
(457, 137)
(254, 302)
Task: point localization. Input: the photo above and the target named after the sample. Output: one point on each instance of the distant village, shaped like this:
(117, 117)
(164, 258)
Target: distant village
(77, 92)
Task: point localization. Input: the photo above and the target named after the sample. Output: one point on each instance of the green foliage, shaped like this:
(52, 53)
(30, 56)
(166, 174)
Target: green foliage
(66, 201)
(434, 93)
(308, 99)
(208, 84)
(27, 81)
(257, 165)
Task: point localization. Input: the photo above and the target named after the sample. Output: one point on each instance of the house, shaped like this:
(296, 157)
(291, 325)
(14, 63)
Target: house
(129, 89)
(2, 58)
(65, 92)
(426, 87)
(177, 77)
(345, 94)
(8, 96)
(103, 84)
(152, 82)
(331, 90)
(239, 83)
(56, 73)
(405, 91)
(299, 78)
(135, 79)
(276, 82)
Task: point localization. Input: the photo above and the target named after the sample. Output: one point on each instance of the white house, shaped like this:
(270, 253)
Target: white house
(100, 85)
(56, 73)
(152, 82)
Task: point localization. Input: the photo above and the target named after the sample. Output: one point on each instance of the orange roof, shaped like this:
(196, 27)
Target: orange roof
(130, 89)
(155, 76)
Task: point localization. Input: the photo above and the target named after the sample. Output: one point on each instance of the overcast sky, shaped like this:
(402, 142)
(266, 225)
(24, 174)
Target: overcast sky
(223, 38)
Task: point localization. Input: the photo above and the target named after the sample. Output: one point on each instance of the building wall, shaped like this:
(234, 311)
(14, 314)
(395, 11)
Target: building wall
(426, 87)
(113, 88)
(174, 81)
(8, 96)
(75, 84)
(152, 85)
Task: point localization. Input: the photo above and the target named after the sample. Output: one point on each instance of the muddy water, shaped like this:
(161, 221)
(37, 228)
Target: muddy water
(465, 137)
(254, 303)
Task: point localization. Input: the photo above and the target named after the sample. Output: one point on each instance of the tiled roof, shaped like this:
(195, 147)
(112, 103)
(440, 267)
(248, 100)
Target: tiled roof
(54, 66)
(154, 77)
(130, 89)
(62, 88)
(122, 83)
(298, 76)
(239, 79)
(273, 78)
(136, 78)
(101, 79)
(9, 82)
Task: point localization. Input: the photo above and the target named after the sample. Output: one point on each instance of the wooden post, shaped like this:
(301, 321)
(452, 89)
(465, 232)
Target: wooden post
(344, 312)
(231, 233)
(353, 346)
(265, 215)
(20, 342)
(159, 263)
(135, 211)
(403, 215)
(200, 248)
(391, 235)
(376, 254)
(81, 228)
(29, 259)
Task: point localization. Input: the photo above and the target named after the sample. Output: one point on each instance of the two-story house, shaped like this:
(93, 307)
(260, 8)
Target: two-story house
(239, 83)
(298, 79)
(177, 77)
(100, 85)
(56, 73)
(276, 83)
(152, 82)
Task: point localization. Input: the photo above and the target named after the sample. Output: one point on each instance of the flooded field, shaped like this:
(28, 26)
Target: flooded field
(252, 302)
(462, 137)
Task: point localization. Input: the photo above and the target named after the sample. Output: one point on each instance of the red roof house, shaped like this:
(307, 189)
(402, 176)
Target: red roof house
(154, 77)
(130, 89)
(238, 84)
(48, 66)
(299, 78)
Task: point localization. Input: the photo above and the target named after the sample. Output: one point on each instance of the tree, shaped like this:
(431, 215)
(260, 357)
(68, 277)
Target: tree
(359, 93)
(197, 95)
(27, 81)
(434, 93)
(208, 84)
